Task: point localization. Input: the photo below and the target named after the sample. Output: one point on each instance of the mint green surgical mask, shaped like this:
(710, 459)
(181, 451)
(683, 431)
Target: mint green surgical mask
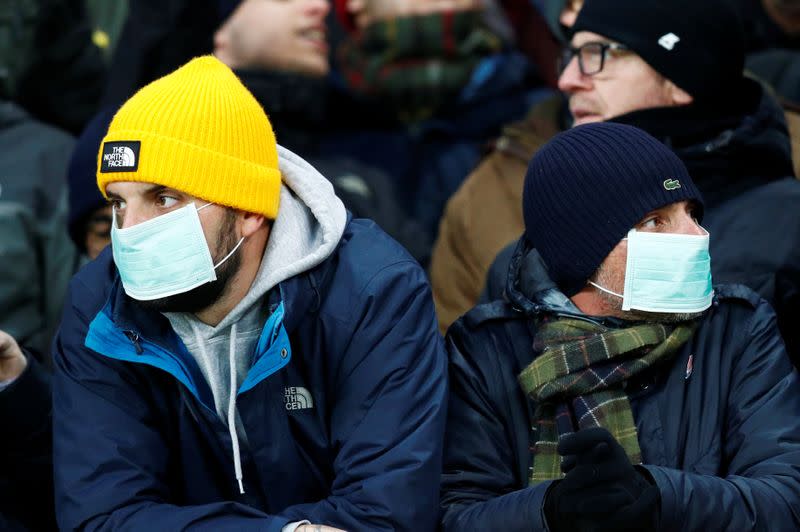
(164, 256)
(666, 272)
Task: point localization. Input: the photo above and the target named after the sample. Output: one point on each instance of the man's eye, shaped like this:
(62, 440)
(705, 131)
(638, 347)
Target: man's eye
(650, 224)
(167, 201)
(117, 205)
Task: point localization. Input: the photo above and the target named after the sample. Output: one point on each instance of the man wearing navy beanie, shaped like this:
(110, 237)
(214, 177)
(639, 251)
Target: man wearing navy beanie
(617, 388)
(673, 68)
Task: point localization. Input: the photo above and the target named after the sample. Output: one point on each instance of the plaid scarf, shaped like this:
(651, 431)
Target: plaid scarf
(579, 376)
(417, 63)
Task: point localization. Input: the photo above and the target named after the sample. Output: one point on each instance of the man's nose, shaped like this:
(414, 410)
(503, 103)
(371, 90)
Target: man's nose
(689, 226)
(131, 217)
(572, 79)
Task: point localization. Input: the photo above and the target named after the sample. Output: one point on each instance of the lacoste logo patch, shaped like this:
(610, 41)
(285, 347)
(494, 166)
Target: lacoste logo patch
(672, 184)
(297, 398)
(120, 156)
(669, 41)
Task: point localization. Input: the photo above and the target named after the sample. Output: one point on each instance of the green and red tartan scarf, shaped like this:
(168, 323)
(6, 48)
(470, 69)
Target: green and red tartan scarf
(417, 63)
(577, 382)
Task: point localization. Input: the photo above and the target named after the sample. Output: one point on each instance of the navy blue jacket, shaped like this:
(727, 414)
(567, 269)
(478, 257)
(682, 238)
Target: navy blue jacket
(138, 446)
(719, 427)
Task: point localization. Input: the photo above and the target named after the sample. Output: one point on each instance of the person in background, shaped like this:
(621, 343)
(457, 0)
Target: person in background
(48, 62)
(433, 82)
(89, 219)
(690, 94)
(773, 44)
(246, 355)
(279, 49)
(618, 387)
(37, 255)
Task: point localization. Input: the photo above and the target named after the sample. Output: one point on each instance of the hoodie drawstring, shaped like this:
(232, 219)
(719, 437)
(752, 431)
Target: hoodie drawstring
(237, 457)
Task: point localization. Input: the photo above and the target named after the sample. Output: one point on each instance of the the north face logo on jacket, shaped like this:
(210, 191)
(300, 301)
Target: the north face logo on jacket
(120, 156)
(297, 398)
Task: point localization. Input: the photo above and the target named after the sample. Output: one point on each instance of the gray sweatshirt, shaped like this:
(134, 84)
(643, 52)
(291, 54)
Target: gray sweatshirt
(310, 223)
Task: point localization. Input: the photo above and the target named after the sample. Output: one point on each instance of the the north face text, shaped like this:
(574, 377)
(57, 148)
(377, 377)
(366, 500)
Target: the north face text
(120, 156)
(297, 398)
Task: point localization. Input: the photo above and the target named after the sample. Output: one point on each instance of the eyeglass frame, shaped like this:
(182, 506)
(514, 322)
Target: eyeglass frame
(576, 51)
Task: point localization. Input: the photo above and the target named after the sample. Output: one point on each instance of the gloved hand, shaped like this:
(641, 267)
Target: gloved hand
(602, 490)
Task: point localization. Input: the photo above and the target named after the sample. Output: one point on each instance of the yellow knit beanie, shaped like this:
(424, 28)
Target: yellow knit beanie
(200, 131)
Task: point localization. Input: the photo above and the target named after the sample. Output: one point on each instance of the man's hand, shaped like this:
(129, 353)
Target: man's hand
(12, 361)
(602, 490)
(317, 528)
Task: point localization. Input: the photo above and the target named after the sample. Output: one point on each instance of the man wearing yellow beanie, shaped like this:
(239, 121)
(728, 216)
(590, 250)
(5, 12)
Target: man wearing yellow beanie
(246, 356)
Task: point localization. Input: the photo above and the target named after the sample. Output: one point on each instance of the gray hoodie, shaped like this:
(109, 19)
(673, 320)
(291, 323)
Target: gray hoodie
(310, 223)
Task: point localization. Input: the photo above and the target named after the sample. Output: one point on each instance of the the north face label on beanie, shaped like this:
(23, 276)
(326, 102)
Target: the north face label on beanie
(120, 156)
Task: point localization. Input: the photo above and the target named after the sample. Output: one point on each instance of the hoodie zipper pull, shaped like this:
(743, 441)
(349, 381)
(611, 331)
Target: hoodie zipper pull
(134, 338)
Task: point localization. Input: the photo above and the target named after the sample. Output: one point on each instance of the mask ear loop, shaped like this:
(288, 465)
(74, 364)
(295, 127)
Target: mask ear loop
(606, 290)
(229, 254)
(220, 263)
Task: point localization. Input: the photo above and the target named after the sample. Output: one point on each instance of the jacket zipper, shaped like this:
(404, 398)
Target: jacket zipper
(134, 338)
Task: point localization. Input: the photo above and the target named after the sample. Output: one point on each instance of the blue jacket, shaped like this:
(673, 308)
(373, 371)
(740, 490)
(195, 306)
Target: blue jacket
(138, 446)
(719, 428)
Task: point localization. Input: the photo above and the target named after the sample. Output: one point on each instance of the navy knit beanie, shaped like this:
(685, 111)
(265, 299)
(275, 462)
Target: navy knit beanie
(697, 44)
(84, 196)
(587, 187)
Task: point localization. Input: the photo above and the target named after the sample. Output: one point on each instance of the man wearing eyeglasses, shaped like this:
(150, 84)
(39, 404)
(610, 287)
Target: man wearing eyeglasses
(673, 69)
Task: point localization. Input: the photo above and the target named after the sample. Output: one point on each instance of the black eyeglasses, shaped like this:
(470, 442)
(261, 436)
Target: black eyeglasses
(591, 56)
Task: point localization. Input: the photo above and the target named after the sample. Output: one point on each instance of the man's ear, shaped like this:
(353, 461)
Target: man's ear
(250, 222)
(678, 95)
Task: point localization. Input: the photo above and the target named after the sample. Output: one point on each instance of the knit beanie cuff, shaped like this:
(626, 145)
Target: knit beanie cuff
(212, 176)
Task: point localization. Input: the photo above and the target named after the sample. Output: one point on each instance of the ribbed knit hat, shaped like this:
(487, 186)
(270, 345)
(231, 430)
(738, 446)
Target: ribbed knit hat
(587, 187)
(696, 44)
(200, 131)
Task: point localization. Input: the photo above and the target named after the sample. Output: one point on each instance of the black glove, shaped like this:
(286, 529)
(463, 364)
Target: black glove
(601, 490)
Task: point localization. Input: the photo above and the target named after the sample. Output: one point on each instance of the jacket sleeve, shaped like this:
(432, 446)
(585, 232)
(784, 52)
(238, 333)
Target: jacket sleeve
(26, 453)
(480, 487)
(388, 417)
(761, 487)
(110, 456)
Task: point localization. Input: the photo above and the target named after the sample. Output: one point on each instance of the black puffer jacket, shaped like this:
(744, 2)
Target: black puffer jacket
(720, 435)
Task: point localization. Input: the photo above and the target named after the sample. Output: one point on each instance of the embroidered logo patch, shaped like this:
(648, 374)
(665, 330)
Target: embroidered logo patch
(297, 398)
(689, 367)
(669, 41)
(672, 184)
(120, 156)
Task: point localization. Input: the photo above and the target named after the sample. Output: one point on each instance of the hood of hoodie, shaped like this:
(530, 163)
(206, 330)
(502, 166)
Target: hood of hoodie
(729, 151)
(309, 226)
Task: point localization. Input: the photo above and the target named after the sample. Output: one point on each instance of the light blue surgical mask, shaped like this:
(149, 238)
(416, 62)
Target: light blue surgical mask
(666, 272)
(164, 256)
